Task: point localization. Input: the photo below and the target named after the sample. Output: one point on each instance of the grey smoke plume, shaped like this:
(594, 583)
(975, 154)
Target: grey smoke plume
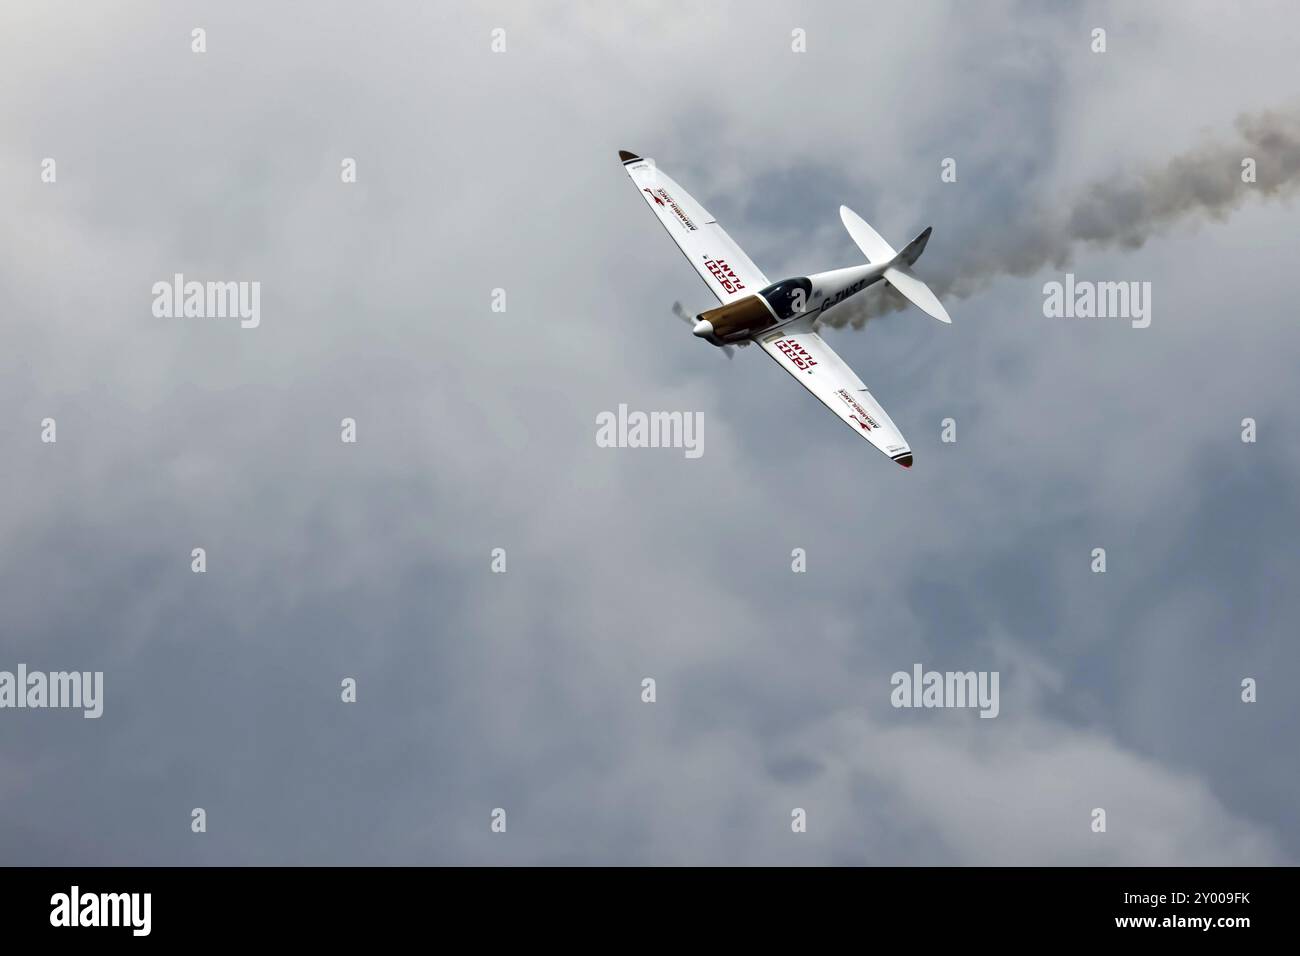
(1124, 212)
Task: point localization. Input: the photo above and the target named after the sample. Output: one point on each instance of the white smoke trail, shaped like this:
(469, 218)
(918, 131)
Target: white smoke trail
(1125, 213)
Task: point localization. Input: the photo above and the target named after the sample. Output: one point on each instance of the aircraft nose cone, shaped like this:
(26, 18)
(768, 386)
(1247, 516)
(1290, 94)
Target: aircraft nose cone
(703, 328)
(905, 460)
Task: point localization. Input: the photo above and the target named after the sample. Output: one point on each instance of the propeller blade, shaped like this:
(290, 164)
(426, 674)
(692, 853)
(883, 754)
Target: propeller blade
(727, 350)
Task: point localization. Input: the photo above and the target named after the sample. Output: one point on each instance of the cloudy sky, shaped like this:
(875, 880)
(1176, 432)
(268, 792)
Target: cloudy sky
(476, 430)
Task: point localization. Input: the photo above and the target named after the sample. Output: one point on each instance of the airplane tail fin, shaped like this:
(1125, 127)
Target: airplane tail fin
(912, 251)
(899, 272)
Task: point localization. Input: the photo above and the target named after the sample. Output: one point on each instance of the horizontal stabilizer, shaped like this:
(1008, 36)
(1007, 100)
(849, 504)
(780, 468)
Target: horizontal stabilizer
(901, 278)
(869, 241)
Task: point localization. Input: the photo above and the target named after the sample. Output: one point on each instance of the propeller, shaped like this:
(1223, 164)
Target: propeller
(728, 350)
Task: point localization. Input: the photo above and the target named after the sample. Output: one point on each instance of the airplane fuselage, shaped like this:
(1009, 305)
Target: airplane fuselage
(829, 289)
(784, 302)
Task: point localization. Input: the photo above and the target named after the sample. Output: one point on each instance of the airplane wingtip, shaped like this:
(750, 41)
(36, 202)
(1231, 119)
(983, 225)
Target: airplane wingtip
(626, 156)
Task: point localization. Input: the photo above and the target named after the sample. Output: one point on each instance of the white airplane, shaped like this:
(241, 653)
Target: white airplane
(780, 316)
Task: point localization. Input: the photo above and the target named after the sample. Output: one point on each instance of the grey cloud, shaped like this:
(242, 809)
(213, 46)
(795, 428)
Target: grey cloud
(476, 430)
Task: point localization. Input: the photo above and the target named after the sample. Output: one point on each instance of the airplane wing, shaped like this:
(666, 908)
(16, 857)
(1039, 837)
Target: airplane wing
(805, 355)
(723, 265)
